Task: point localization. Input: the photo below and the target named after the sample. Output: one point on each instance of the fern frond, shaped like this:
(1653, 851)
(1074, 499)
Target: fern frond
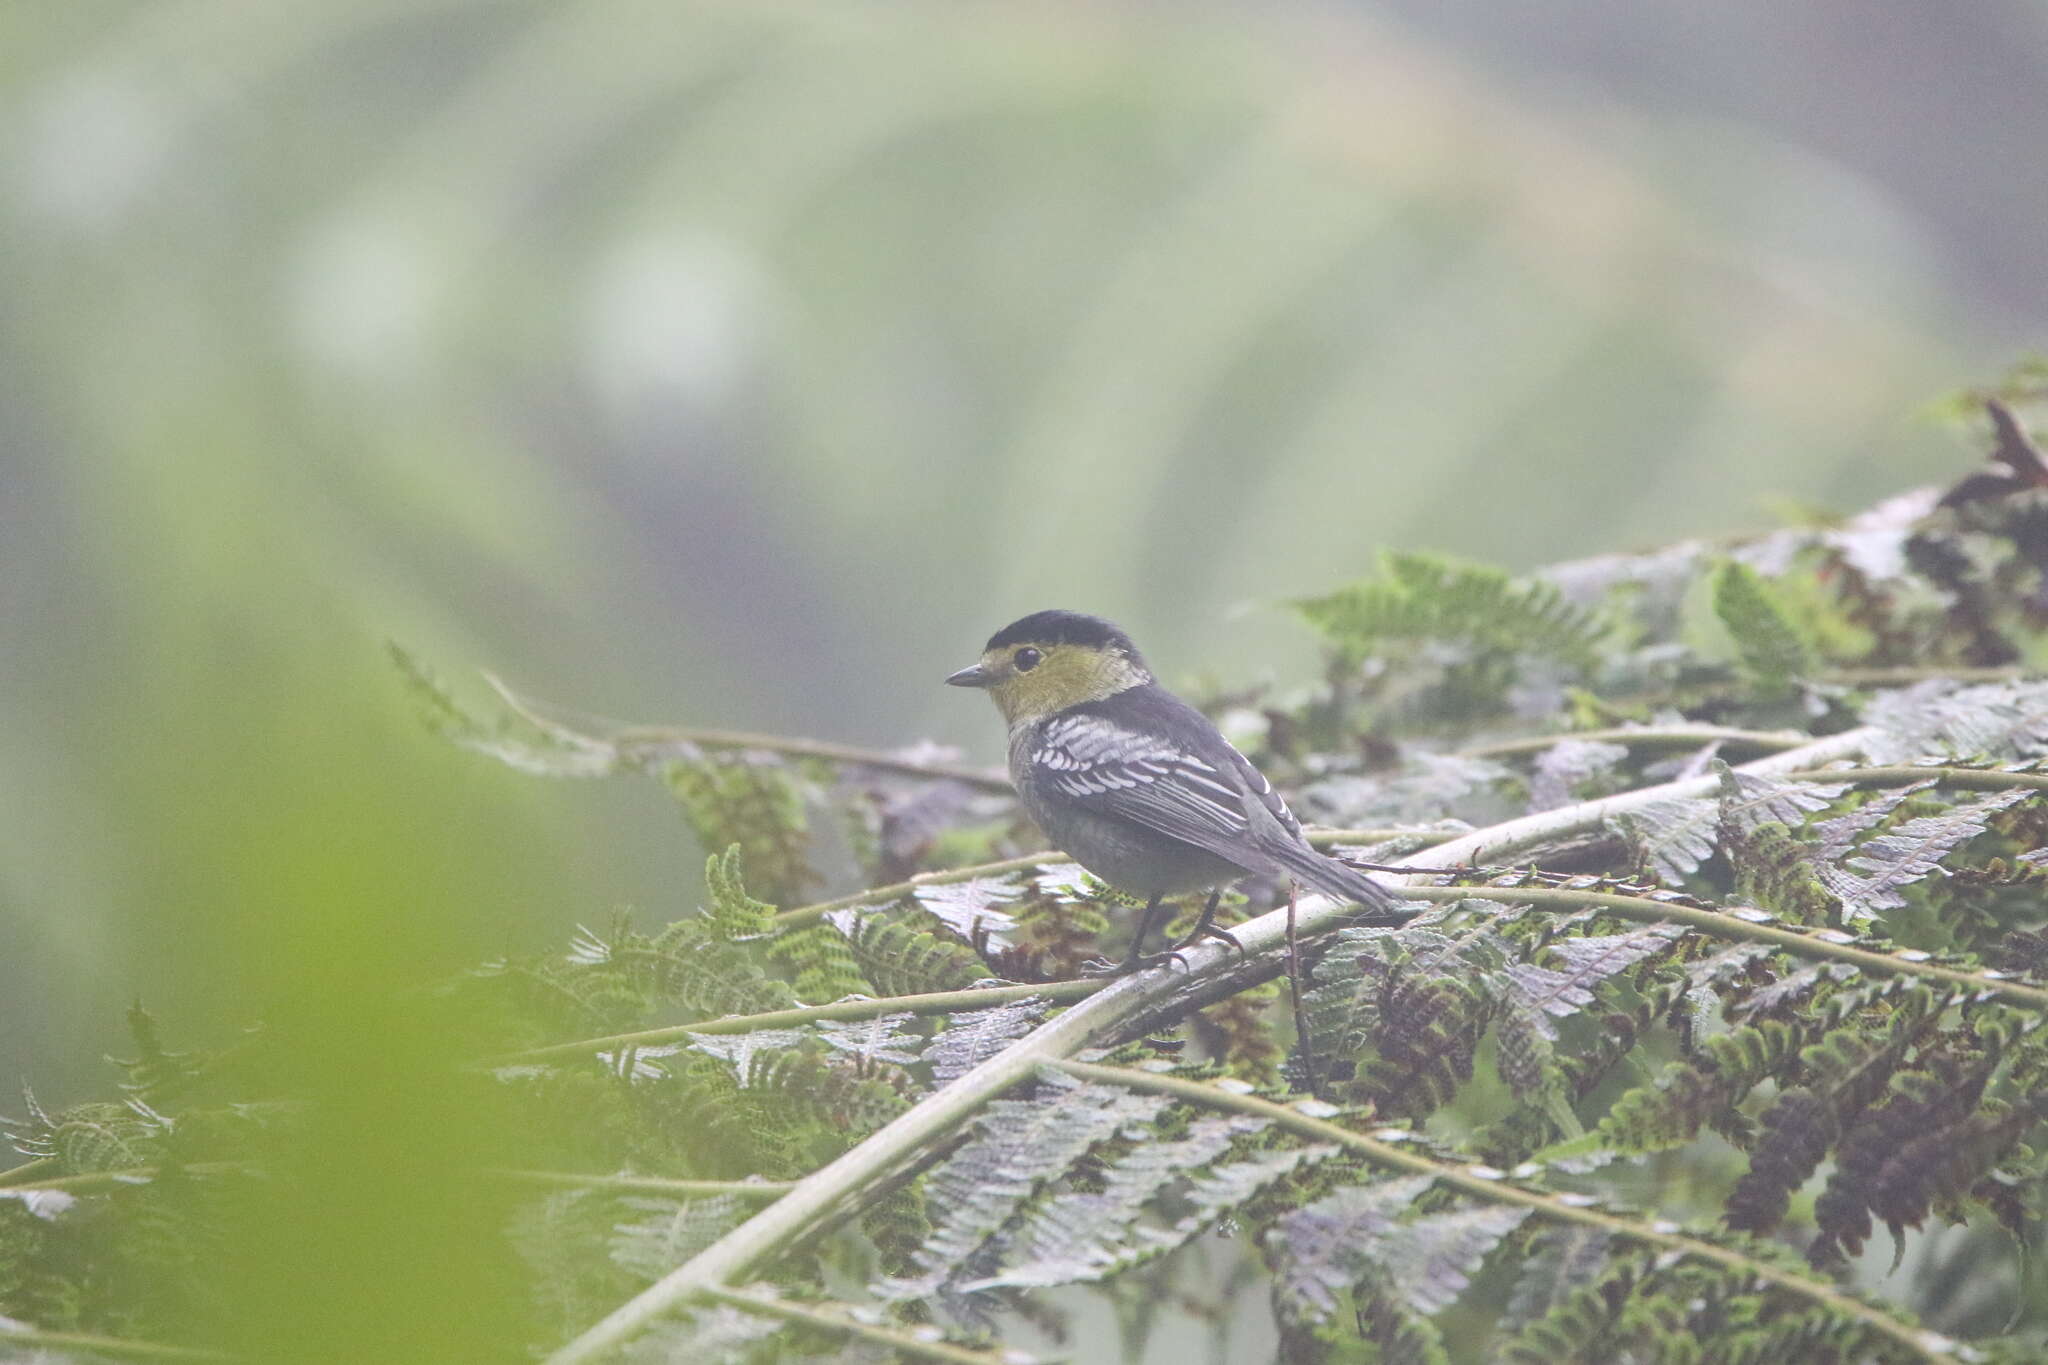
(1419, 597)
(1559, 1261)
(1575, 1325)
(1912, 851)
(733, 914)
(1919, 1102)
(1939, 717)
(899, 959)
(823, 962)
(873, 1040)
(1566, 766)
(1081, 1236)
(975, 906)
(1560, 992)
(1833, 837)
(756, 801)
(969, 1039)
(1322, 1249)
(1671, 837)
(668, 1232)
(1020, 1145)
(1692, 1094)
(518, 741)
(1770, 650)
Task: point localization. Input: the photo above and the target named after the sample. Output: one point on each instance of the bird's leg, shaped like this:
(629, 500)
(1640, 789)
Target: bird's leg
(1205, 927)
(1135, 960)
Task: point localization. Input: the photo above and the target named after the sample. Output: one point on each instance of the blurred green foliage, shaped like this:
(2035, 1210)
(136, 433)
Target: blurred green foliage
(746, 363)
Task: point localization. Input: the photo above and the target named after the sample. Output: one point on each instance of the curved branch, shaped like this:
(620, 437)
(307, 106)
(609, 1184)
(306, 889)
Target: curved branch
(1485, 1183)
(1657, 736)
(828, 1190)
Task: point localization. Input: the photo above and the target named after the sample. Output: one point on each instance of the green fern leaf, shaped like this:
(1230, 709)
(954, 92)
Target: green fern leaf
(901, 960)
(1420, 597)
(1770, 650)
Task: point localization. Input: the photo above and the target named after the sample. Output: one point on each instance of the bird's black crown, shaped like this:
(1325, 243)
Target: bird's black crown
(1065, 628)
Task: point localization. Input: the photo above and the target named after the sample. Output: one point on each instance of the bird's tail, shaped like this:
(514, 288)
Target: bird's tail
(1333, 878)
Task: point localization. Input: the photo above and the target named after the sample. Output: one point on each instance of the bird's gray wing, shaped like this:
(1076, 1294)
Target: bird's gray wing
(1259, 788)
(1148, 779)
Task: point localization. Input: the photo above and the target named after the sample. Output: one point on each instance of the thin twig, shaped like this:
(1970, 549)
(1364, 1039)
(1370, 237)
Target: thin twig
(1974, 779)
(1905, 675)
(639, 1184)
(118, 1348)
(882, 895)
(1647, 736)
(931, 1002)
(640, 744)
(91, 1182)
(1489, 1185)
(29, 1172)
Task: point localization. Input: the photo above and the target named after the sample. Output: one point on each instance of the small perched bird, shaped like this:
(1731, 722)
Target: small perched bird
(1137, 785)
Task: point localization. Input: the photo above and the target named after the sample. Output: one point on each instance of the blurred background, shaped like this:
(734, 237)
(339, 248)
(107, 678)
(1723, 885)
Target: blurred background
(747, 364)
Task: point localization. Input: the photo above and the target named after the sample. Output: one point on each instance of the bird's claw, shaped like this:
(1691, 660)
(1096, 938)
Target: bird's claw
(1102, 966)
(1207, 931)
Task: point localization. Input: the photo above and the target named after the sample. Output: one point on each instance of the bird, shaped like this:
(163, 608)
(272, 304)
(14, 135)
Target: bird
(1138, 786)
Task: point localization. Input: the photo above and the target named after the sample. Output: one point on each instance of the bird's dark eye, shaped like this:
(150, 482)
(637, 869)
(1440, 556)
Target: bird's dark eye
(1026, 659)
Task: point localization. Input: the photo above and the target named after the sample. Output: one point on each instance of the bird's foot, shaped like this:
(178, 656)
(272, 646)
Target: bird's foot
(1136, 962)
(1206, 930)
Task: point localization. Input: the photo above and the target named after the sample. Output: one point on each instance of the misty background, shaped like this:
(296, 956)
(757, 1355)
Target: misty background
(745, 365)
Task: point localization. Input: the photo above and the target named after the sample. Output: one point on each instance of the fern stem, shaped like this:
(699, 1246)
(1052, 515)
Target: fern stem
(839, 1186)
(1324, 836)
(642, 1184)
(811, 914)
(931, 1002)
(814, 1315)
(1485, 1183)
(91, 1182)
(1723, 924)
(1903, 676)
(116, 1348)
(28, 1172)
(1973, 779)
(642, 743)
(1638, 736)
(895, 891)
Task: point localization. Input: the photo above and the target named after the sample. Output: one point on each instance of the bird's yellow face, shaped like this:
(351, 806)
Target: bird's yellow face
(1033, 679)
